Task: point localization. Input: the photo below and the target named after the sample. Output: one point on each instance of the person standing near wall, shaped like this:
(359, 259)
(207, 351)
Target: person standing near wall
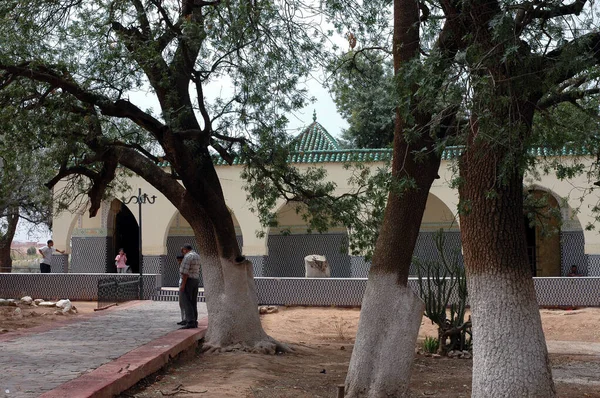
(190, 279)
(120, 261)
(46, 252)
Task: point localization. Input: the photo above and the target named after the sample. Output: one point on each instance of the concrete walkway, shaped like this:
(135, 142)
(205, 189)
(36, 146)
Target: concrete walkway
(32, 364)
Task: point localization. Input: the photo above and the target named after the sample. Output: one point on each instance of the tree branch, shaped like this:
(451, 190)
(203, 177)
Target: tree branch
(547, 10)
(120, 108)
(569, 96)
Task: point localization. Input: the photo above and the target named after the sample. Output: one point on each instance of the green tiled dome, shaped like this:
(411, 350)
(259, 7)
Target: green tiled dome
(314, 138)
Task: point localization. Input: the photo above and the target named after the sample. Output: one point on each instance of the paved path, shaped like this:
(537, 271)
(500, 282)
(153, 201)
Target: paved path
(35, 363)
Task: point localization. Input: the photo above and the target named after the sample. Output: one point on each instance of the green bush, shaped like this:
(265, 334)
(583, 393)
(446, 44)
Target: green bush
(31, 251)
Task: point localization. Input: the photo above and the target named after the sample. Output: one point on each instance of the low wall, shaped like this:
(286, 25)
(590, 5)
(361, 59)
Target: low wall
(554, 291)
(71, 286)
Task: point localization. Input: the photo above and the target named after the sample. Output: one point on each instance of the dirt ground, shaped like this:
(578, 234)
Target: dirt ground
(322, 340)
(38, 316)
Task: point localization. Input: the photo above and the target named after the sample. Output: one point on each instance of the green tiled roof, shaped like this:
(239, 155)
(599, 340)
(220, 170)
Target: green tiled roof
(314, 138)
(316, 145)
(383, 154)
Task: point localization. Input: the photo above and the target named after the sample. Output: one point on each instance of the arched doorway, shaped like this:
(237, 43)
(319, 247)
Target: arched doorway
(179, 233)
(437, 215)
(290, 241)
(125, 235)
(542, 231)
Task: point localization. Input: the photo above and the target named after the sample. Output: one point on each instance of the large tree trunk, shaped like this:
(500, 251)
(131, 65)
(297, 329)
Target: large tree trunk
(509, 351)
(383, 354)
(231, 301)
(382, 357)
(6, 240)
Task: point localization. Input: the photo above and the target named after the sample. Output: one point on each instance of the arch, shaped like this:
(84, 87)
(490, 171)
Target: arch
(122, 232)
(437, 215)
(567, 248)
(178, 233)
(74, 221)
(291, 240)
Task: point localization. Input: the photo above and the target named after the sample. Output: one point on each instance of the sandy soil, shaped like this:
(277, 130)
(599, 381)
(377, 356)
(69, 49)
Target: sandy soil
(322, 339)
(38, 316)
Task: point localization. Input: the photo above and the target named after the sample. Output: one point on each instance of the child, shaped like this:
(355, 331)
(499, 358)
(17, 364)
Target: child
(120, 261)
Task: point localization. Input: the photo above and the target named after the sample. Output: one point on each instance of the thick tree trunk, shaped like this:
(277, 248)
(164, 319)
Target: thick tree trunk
(391, 313)
(231, 301)
(385, 342)
(509, 351)
(6, 241)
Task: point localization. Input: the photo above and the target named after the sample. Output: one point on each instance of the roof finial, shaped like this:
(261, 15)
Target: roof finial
(314, 115)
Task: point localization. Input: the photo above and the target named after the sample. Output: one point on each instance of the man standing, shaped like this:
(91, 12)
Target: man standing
(190, 275)
(46, 252)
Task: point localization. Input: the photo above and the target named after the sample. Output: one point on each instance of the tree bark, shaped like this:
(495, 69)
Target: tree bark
(231, 298)
(383, 354)
(509, 349)
(6, 241)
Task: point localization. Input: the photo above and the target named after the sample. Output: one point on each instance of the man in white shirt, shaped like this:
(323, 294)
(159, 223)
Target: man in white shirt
(46, 252)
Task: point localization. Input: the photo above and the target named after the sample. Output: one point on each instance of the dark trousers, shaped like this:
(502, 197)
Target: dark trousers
(182, 305)
(190, 301)
(45, 268)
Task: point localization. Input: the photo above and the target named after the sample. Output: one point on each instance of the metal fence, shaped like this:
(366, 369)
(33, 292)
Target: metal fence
(112, 291)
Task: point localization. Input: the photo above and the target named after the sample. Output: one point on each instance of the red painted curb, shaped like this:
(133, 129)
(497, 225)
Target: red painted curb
(124, 372)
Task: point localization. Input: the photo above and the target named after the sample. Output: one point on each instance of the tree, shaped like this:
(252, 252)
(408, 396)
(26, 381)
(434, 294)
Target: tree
(381, 362)
(75, 62)
(22, 194)
(511, 60)
(363, 89)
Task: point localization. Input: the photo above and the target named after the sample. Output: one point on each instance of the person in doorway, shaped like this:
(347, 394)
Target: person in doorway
(46, 252)
(120, 261)
(574, 271)
(181, 304)
(190, 278)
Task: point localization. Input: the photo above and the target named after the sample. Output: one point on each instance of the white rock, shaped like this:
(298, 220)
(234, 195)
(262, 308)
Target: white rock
(18, 312)
(64, 303)
(38, 301)
(8, 303)
(58, 313)
(272, 309)
(47, 304)
(26, 300)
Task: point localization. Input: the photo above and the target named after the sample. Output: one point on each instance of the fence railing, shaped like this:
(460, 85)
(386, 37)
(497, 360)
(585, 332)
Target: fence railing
(112, 291)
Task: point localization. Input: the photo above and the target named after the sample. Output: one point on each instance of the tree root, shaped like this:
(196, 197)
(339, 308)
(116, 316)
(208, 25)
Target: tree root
(269, 346)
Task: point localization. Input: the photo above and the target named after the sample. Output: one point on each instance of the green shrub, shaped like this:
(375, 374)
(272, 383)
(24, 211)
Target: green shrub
(431, 344)
(31, 251)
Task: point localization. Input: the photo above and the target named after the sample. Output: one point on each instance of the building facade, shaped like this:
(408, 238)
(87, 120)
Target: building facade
(92, 243)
